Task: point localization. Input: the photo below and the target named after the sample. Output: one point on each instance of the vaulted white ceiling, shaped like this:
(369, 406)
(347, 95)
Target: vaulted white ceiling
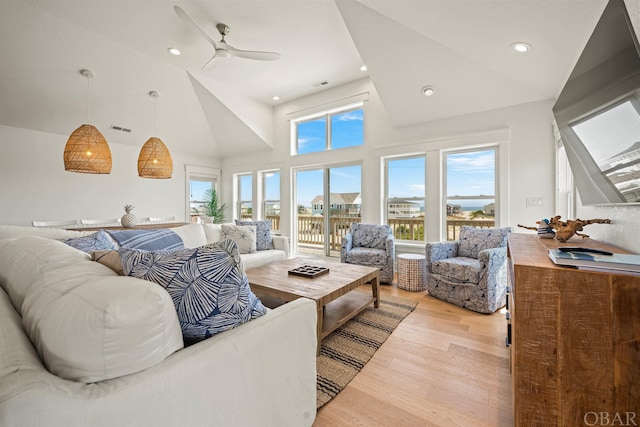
(461, 47)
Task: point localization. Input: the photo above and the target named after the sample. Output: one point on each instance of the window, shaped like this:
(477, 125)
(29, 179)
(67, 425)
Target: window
(319, 230)
(271, 197)
(199, 196)
(244, 196)
(329, 131)
(199, 183)
(470, 189)
(405, 196)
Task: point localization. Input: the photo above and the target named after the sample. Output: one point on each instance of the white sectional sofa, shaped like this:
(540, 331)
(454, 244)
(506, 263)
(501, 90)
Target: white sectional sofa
(64, 318)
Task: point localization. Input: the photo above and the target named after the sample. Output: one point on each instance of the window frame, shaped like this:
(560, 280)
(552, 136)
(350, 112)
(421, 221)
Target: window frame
(262, 177)
(387, 198)
(238, 195)
(327, 115)
(496, 182)
(199, 173)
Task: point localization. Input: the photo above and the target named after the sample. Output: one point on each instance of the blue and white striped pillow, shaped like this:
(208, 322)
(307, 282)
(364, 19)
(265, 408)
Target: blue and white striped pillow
(208, 285)
(148, 240)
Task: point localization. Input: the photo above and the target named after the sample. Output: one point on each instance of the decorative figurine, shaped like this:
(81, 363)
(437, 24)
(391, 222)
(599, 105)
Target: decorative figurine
(565, 230)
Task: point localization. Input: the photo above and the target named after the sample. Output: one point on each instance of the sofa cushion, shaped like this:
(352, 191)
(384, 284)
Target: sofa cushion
(264, 242)
(148, 240)
(87, 323)
(370, 235)
(22, 260)
(473, 240)
(243, 235)
(192, 235)
(97, 241)
(13, 231)
(207, 285)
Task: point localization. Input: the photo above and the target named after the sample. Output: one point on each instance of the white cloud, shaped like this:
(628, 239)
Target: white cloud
(350, 116)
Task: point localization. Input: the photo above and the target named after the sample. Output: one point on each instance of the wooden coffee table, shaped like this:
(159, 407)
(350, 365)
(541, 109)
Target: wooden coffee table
(332, 292)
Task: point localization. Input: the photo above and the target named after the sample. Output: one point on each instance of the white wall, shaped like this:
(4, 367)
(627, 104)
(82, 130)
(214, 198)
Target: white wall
(35, 186)
(524, 133)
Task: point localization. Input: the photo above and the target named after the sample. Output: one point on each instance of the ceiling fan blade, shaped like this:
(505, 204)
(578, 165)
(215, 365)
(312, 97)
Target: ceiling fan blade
(253, 54)
(211, 63)
(193, 24)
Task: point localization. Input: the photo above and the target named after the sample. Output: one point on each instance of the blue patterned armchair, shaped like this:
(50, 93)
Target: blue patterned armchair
(470, 272)
(371, 245)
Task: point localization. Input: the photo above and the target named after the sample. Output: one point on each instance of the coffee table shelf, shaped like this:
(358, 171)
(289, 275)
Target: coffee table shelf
(340, 311)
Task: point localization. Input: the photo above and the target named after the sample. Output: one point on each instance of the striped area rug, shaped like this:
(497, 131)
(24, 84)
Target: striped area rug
(347, 349)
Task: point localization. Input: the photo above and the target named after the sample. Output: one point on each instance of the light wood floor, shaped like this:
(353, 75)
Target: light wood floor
(442, 366)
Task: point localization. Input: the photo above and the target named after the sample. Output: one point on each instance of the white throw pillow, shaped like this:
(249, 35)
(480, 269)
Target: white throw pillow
(243, 235)
(213, 232)
(192, 235)
(87, 323)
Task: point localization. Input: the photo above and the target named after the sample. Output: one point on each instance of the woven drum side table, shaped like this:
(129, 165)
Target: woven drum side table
(412, 272)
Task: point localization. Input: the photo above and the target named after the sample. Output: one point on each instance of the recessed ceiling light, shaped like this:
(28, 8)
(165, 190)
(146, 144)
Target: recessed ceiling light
(173, 51)
(428, 90)
(276, 98)
(363, 68)
(521, 47)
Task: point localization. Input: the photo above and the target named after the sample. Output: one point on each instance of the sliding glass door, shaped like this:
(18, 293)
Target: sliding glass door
(328, 200)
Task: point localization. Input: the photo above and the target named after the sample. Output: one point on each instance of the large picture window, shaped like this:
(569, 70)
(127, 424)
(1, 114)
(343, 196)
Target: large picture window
(470, 189)
(330, 130)
(405, 196)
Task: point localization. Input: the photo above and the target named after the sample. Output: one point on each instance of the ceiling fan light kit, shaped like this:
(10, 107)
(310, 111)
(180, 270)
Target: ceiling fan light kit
(221, 49)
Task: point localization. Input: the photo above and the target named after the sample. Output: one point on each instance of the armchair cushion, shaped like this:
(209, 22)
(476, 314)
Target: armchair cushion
(366, 256)
(370, 235)
(460, 269)
(473, 240)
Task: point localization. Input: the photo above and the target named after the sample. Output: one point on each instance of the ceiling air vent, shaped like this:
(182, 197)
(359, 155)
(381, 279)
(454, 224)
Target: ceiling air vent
(120, 128)
(322, 83)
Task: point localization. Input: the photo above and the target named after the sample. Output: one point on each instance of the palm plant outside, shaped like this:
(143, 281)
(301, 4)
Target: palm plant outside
(214, 209)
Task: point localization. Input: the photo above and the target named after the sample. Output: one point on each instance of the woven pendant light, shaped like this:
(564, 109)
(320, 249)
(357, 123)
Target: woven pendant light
(154, 160)
(87, 150)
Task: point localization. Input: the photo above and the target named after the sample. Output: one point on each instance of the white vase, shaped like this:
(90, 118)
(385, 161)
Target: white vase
(128, 220)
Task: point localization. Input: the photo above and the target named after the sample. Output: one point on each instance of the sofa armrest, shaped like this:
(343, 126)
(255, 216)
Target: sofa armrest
(345, 246)
(436, 251)
(282, 243)
(262, 373)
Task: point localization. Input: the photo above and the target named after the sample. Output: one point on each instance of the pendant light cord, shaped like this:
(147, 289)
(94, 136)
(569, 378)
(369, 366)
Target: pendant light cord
(89, 98)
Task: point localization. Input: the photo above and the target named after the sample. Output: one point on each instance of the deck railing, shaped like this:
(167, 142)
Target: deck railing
(311, 228)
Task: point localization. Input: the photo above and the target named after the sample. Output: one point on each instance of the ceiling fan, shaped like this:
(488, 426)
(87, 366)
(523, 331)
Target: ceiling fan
(222, 49)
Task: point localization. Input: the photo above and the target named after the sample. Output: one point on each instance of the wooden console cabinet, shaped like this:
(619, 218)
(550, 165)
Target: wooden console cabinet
(575, 338)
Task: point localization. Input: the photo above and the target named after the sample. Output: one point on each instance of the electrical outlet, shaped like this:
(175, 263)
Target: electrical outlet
(533, 202)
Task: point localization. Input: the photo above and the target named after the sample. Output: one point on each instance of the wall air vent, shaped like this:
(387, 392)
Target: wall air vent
(322, 83)
(120, 128)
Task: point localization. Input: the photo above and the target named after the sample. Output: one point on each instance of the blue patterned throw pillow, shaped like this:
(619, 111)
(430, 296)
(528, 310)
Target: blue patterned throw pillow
(97, 241)
(208, 286)
(264, 242)
(148, 240)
